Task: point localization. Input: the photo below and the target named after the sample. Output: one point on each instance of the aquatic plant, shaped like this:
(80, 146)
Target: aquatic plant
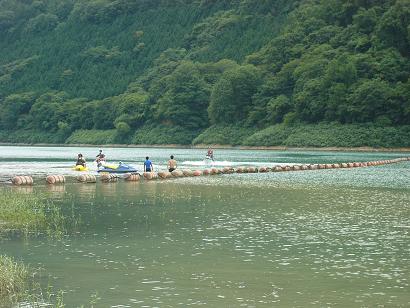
(19, 285)
(29, 213)
(13, 277)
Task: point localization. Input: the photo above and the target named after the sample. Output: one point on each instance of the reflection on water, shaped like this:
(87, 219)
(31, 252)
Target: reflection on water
(316, 238)
(172, 243)
(22, 189)
(56, 190)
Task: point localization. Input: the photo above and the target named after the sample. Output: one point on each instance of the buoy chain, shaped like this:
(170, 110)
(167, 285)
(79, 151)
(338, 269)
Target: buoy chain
(133, 177)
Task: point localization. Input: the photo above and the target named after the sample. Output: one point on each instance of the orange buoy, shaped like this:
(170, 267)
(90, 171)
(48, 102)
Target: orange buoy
(87, 178)
(150, 175)
(132, 177)
(55, 179)
(22, 180)
(214, 171)
(228, 170)
(177, 173)
(165, 175)
(206, 172)
(296, 168)
(197, 173)
(109, 178)
(187, 172)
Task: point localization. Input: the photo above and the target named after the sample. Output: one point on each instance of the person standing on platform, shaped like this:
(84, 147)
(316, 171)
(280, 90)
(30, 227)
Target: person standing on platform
(148, 165)
(172, 164)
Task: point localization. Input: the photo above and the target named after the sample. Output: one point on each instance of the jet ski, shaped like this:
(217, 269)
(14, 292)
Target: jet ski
(80, 168)
(116, 168)
(209, 158)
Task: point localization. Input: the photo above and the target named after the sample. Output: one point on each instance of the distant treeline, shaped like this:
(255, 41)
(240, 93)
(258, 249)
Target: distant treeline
(268, 72)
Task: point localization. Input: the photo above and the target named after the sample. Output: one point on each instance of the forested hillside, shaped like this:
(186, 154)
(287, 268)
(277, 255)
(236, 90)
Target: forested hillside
(241, 72)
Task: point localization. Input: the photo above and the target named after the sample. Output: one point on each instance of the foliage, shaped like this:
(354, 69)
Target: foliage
(92, 136)
(232, 94)
(28, 136)
(185, 98)
(124, 67)
(332, 135)
(162, 134)
(224, 134)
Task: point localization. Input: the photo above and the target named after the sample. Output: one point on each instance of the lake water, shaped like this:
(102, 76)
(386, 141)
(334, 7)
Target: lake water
(295, 239)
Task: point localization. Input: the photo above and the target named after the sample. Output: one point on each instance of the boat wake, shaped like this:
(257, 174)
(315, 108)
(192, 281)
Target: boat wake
(210, 163)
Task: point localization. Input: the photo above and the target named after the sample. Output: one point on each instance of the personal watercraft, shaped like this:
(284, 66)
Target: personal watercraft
(116, 168)
(208, 158)
(80, 168)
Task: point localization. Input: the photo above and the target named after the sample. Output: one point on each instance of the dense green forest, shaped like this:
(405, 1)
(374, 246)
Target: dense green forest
(240, 72)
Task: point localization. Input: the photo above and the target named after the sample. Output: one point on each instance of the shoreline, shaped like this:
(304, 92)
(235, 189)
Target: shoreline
(217, 146)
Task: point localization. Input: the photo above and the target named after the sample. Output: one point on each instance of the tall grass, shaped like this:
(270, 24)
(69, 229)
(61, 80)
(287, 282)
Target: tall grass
(19, 286)
(13, 278)
(29, 213)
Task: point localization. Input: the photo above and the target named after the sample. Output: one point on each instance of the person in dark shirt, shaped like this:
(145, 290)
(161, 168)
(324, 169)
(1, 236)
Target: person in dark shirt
(80, 160)
(148, 165)
(100, 158)
(210, 153)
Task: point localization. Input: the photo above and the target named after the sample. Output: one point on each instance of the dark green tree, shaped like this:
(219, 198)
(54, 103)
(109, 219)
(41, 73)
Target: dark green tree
(231, 97)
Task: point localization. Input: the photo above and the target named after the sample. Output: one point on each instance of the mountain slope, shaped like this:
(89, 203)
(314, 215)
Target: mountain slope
(180, 71)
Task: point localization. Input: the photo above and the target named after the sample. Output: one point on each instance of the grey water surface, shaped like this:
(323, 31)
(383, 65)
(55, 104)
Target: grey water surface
(297, 239)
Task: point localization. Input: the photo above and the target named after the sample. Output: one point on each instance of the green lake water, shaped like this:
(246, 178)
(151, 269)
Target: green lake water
(297, 239)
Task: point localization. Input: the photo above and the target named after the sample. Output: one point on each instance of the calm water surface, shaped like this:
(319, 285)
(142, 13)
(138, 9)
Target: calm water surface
(313, 238)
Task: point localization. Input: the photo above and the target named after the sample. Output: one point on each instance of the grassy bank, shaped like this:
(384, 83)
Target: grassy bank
(331, 135)
(92, 136)
(161, 134)
(295, 136)
(29, 213)
(308, 136)
(224, 134)
(29, 136)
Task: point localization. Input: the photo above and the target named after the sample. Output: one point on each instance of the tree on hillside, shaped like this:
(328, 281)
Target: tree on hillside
(13, 108)
(185, 99)
(231, 97)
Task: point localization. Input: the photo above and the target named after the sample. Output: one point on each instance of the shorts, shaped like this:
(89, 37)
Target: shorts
(171, 169)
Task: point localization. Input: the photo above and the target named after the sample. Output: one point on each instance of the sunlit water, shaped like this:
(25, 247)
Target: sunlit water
(297, 239)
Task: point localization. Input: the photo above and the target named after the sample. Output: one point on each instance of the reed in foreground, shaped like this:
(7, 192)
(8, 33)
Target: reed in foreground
(13, 278)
